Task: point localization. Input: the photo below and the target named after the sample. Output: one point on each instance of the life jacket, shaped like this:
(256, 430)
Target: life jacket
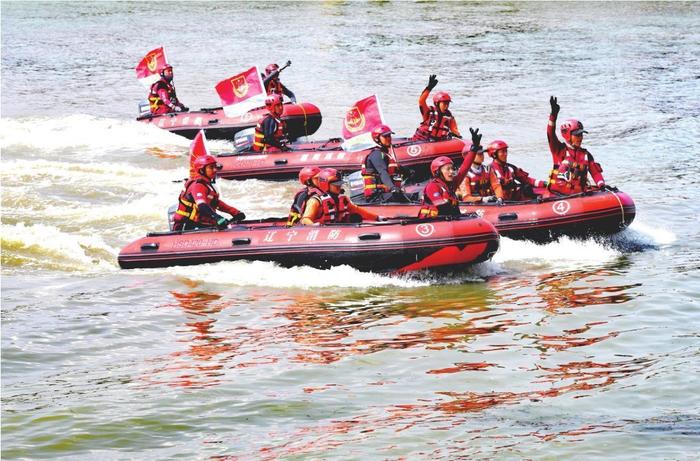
(435, 127)
(154, 101)
(574, 169)
(335, 209)
(437, 186)
(274, 86)
(299, 204)
(280, 134)
(187, 207)
(479, 181)
(372, 180)
(506, 174)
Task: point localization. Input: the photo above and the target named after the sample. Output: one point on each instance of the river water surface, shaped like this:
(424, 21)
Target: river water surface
(571, 350)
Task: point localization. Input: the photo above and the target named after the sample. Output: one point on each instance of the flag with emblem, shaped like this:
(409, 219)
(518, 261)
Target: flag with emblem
(148, 69)
(242, 92)
(359, 121)
(198, 148)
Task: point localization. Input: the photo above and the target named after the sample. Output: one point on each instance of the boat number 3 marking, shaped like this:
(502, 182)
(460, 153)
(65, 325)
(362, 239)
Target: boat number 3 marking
(425, 230)
(561, 208)
(414, 150)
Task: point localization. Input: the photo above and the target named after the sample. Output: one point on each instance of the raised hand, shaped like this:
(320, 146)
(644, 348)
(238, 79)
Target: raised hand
(476, 138)
(432, 82)
(554, 104)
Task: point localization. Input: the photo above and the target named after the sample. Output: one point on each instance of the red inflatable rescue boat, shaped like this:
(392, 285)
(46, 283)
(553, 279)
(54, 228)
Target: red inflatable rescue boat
(302, 119)
(412, 155)
(597, 212)
(393, 246)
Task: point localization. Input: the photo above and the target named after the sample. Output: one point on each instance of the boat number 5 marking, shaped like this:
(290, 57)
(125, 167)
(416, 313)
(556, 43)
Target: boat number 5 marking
(414, 150)
(561, 208)
(425, 230)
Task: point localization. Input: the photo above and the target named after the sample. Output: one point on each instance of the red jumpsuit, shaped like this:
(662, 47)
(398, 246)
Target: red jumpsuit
(197, 204)
(439, 198)
(571, 165)
(477, 184)
(162, 98)
(507, 181)
(435, 126)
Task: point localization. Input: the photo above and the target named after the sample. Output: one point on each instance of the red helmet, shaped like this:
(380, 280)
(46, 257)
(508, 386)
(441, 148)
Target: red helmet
(165, 67)
(438, 163)
(379, 131)
(271, 68)
(495, 146)
(201, 162)
(307, 173)
(327, 177)
(441, 96)
(571, 127)
(272, 100)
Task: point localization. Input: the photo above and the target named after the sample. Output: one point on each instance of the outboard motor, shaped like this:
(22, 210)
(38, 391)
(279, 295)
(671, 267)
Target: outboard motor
(355, 184)
(243, 140)
(144, 108)
(171, 216)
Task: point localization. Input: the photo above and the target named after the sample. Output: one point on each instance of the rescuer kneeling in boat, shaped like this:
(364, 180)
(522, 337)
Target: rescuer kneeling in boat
(273, 85)
(332, 206)
(509, 183)
(308, 177)
(438, 123)
(380, 170)
(271, 131)
(162, 98)
(571, 162)
(199, 200)
(439, 195)
(476, 187)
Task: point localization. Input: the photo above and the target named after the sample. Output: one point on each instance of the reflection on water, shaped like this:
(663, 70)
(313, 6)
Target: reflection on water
(526, 334)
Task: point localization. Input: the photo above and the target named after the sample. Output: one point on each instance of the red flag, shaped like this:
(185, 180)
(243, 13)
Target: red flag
(198, 148)
(362, 117)
(241, 92)
(148, 69)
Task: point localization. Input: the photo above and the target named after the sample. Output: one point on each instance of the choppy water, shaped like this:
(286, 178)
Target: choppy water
(569, 350)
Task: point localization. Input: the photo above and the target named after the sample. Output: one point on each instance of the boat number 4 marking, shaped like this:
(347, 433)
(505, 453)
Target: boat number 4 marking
(561, 208)
(425, 230)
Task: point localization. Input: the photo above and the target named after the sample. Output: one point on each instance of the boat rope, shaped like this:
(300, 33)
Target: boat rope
(306, 131)
(622, 208)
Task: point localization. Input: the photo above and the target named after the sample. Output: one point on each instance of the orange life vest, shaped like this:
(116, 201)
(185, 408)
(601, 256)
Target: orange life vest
(435, 127)
(335, 209)
(299, 204)
(154, 101)
(371, 177)
(280, 134)
(436, 189)
(187, 207)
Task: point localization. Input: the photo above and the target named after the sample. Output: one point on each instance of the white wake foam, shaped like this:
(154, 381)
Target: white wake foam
(260, 273)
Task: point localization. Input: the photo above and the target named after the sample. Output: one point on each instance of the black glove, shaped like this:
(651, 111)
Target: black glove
(185, 109)
(476, 138)
(610, 188)
(221, 222)
(555, 105)
(289, 63)
(238, 217)
(432, 82)
(488, 199)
